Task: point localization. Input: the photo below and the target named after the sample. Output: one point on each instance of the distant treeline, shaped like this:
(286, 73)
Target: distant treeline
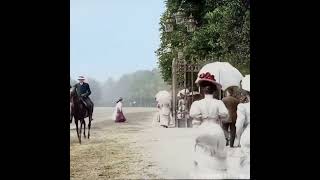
(137, 89)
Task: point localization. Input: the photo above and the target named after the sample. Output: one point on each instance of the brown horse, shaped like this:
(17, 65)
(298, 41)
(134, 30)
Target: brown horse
(79, 112)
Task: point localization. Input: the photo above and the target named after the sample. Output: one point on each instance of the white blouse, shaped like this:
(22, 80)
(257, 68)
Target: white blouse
(209, 109)
(119, 106)
(116, 109)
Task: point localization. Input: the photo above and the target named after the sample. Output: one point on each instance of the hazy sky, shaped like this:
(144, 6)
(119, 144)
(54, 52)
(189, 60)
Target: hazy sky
(109, 38)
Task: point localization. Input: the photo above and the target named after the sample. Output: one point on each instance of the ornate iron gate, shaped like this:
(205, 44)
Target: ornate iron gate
(183, 77)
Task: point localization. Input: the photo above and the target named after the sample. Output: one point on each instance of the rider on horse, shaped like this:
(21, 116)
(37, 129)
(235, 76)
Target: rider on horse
(83, 91)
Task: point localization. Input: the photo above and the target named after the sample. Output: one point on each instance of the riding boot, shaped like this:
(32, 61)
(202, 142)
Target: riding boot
(92, 113)
(89, 110)
(89, 106)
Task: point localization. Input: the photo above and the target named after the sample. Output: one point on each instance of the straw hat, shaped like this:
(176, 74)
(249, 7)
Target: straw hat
(81, 78)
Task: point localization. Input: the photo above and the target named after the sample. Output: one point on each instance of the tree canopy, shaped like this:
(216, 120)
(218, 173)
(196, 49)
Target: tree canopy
(222, 34)
(139, 87)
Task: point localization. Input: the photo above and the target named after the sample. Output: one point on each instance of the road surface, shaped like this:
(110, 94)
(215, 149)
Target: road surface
(114, 150)
(137, 149)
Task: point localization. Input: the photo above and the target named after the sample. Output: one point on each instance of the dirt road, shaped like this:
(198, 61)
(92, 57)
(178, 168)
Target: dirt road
(137, 149)
(114, 150)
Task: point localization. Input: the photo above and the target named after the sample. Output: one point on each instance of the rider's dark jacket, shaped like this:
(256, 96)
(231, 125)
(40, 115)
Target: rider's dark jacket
(83, 89)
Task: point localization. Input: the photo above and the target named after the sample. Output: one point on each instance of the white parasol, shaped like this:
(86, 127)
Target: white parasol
(224, 73)
(163, 97)
(245, 84)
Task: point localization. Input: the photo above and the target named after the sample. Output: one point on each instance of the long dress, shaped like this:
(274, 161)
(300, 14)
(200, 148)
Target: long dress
(164, 114)
(210, 151)
(156, 119)
(118, 115)
(181, 109)
(158, 113)
(243, 122)
(243, 134)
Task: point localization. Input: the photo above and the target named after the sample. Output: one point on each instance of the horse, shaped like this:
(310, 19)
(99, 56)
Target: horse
(79, 112)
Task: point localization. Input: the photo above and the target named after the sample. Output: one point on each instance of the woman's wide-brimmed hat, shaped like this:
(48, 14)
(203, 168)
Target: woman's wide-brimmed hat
(208, 77)
(120, 99)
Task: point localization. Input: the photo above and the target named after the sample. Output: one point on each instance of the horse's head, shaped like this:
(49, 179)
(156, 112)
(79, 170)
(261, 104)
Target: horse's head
(73, 94)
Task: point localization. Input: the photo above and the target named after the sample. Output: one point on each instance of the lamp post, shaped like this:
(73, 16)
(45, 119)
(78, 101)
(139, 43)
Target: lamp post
(191, 24)
(179, 18)
(169, 24)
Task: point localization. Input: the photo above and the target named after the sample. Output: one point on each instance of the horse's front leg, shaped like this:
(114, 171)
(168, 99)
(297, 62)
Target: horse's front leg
(77, 129)
(84, 128)
(81, 122)
(89, 125)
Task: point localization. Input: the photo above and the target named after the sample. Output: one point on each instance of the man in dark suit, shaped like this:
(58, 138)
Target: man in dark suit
(83, 90)
(231, 102)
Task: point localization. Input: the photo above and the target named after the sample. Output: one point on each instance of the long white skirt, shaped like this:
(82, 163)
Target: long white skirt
(245, 151)
(208, 167)
(210, 158)
(164, 120)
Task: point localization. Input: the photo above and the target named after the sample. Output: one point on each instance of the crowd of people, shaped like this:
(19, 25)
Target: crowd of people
(216, 125)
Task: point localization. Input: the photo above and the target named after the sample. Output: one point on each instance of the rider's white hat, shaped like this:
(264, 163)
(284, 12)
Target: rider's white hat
(81, 78)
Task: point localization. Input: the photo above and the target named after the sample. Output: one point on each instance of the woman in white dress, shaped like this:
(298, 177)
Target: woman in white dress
(163, 99)
(118, 115)
(210, 151)
(181, 108)
(243, 130)
(164, 114)
(158, 114)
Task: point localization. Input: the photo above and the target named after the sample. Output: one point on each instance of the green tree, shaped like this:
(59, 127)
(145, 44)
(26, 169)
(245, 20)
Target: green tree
(95, 88)
(223, 33)
(108, 92)
(140, 86)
